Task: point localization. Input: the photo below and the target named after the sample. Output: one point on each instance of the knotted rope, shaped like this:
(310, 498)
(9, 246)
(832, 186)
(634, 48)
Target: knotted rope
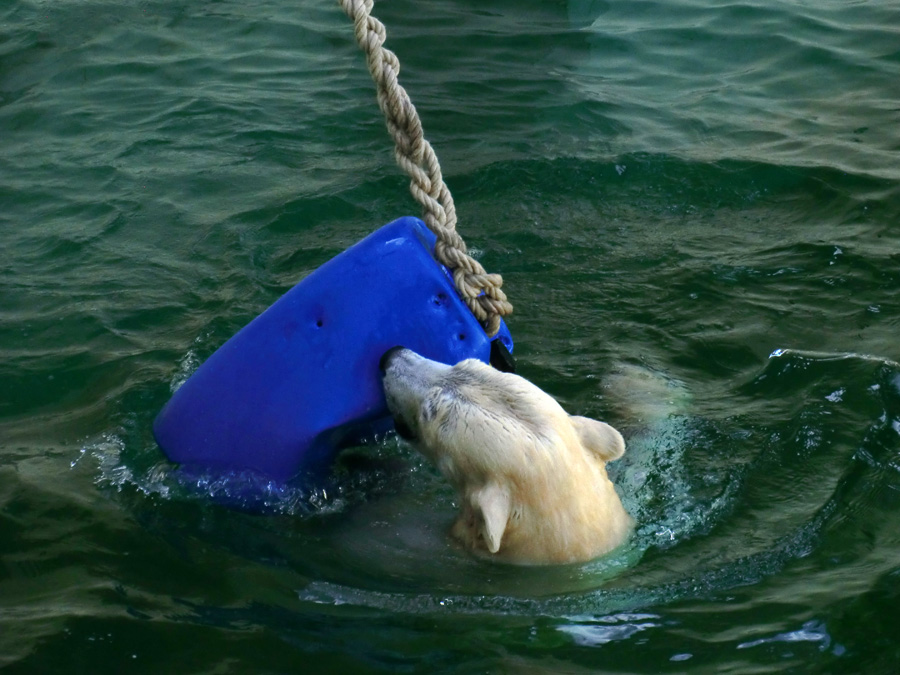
(416, 157)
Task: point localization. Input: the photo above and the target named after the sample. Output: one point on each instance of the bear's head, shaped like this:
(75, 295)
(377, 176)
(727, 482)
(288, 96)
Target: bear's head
(509, 448)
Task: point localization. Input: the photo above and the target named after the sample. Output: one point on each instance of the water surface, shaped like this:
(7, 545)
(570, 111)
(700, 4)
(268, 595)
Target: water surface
(693, 202)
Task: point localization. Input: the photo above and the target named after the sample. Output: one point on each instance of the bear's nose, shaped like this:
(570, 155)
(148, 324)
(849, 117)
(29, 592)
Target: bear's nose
(387, 356)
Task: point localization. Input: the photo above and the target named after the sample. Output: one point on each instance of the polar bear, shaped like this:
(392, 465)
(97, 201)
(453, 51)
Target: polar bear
(531, 478)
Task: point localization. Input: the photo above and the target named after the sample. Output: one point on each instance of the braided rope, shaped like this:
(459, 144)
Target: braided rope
(478, 289)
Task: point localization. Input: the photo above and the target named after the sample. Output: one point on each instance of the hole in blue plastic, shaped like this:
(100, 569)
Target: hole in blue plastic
(440, 299)
(319, 323)
(461, 336)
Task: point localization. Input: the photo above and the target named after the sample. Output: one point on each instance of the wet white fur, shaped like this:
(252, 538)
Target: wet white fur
(531, 478)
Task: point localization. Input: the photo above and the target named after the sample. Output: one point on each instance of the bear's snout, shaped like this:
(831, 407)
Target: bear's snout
(386, 358)
(392, 390)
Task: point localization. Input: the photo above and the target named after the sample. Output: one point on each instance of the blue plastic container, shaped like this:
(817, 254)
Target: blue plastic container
(301, 381)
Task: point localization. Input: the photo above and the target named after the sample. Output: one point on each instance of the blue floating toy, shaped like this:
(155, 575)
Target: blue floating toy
(301, 381)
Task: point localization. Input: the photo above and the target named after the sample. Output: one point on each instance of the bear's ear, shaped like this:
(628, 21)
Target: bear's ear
(599, 438)
(491, 504)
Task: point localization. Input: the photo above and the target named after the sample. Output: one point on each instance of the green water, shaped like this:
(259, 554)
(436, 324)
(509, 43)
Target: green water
(705, 192)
